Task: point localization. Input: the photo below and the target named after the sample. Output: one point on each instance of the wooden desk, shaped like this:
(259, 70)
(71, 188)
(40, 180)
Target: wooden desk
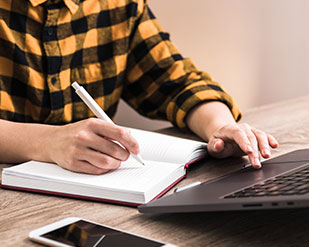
(288, 121)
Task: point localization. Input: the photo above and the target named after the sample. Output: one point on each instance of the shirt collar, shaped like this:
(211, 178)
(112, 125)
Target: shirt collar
(72, 5)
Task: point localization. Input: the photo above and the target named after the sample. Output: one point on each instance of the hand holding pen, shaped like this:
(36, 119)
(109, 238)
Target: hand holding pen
(86, 146)
(97, 110)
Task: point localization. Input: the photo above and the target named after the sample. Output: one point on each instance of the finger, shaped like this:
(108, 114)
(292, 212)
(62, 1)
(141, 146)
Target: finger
(102, 145)
(252, 139)
(255, 162)
(99, 160)
(263, 142)
(254, 157)
(272, 141)
(85, 167)
(114, 132)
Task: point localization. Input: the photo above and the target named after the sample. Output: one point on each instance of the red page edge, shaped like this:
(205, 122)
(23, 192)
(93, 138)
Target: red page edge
(89, 197)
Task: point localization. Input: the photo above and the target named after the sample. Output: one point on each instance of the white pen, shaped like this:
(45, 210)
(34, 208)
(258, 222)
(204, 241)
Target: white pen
(97, 110)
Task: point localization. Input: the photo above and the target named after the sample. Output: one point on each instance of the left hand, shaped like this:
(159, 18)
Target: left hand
(238, 139)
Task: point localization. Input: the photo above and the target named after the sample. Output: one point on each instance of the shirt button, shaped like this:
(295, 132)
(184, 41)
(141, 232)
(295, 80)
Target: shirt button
(53, 80)
(50, 32)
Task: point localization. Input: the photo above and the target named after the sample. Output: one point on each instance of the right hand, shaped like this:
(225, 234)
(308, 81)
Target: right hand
(238, 139)
(88, 146)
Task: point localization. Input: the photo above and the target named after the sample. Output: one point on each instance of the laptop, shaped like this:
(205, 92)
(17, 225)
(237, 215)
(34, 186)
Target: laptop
(283, 182)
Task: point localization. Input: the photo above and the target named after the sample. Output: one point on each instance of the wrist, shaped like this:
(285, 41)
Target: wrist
(205, 119)
(44, 141)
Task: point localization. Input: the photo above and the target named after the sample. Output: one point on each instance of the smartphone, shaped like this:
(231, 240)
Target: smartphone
(79, 232)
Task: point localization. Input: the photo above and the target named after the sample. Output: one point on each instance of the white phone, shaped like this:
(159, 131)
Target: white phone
(79, 232)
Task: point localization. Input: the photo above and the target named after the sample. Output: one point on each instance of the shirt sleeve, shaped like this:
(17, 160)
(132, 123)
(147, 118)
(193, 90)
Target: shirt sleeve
(161, 84)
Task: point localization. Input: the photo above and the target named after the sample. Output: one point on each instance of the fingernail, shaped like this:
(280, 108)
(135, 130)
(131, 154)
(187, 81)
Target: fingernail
(266, 153)
(257, 163)
(216, 144)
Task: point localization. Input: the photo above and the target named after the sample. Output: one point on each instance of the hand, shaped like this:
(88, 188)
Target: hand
(241, 139)
(88, 146)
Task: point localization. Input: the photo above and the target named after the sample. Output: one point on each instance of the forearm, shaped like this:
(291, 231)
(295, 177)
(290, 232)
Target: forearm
(23, 141)
(208, 117)
(86, 146)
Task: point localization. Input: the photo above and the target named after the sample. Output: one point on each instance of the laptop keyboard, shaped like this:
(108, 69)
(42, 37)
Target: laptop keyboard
(292, 183)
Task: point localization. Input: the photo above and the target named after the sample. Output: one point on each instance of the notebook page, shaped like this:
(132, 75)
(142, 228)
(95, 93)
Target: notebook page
(160, 147)
(131, 176)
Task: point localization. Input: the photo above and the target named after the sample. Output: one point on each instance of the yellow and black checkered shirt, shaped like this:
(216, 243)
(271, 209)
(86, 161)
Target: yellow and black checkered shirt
(114, 48)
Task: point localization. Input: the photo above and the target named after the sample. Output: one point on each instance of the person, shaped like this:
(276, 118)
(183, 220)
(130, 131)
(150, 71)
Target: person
(115, 49)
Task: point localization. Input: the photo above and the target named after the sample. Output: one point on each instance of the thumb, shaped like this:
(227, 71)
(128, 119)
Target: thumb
(218, 145)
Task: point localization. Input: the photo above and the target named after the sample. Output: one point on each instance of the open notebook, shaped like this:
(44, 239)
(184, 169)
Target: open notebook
(166, 158)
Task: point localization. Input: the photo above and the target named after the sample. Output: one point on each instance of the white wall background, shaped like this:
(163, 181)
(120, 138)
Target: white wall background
(257, 49)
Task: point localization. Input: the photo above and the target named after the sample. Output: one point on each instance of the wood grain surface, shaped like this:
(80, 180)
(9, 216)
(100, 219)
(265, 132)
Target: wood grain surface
(288, 121)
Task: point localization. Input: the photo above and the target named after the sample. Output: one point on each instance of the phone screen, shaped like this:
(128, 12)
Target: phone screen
(85, 234)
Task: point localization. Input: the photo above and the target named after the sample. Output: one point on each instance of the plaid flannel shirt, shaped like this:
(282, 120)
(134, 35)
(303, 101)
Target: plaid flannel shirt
(114, 48)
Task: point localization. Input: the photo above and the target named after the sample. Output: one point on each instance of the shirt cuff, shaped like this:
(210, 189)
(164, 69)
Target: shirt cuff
(195, 94)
